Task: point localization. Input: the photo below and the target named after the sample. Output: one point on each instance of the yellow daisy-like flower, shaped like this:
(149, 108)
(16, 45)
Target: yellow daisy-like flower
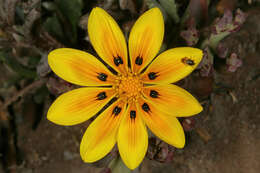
(137, 94)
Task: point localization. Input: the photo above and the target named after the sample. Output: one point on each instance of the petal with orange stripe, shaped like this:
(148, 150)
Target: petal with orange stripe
(173, 65)
(78, 105)
(164, 126)
(172, 100)
(107, 39)
(132, 138)
(146, 38)
(79, 67)
(101, 135)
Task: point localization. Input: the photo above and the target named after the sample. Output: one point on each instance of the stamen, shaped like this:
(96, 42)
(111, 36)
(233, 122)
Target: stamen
(102, 76)
(129, 87)
(146, 107)
(117, 110)
(152, 75)
(132, 114)
(154, 94)
(139, 60)
(118, 60)
(101, 96)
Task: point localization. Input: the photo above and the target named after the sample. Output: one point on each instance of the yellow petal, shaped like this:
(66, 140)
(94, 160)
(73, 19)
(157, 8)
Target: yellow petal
(78, 105)
(164, 126)
(132, 138)
(173, 100)
(173, 65)
(100, 137)
(146, 38)
(107, 39)
(79, 67)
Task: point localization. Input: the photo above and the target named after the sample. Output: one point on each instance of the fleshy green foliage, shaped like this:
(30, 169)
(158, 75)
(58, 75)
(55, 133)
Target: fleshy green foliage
(63, 23)
(53, 26)
(23, 71)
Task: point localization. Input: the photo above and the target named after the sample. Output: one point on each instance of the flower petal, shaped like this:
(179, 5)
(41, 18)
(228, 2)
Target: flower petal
(79, 67)
(78, 105)
(100, 137)
(146, 38)
(173, 100)
(107, 39)
(132, 138)
(173, 65)
(164, 126)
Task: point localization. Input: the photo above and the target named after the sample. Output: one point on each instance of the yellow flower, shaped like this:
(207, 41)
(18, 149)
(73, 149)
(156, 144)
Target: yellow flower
(135, 92)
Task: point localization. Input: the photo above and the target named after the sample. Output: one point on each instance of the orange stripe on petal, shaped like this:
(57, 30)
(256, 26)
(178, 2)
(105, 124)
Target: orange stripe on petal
(146, 38)
(173, 65)
(164, 126)
(107, 39)
(132, 138)
(78, 105)
(100, 137)
(172, 100)
(79, 67)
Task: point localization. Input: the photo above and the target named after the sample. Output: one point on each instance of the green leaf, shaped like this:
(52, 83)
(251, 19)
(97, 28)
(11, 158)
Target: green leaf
(118, 166)
(171, 9)
(54, 28)
(10, 61)
(71, 12)
(51, 6)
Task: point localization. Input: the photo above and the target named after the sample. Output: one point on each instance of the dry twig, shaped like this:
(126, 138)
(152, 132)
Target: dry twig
(30, 88)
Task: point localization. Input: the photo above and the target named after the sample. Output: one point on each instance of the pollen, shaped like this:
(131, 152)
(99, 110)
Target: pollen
(129, 87)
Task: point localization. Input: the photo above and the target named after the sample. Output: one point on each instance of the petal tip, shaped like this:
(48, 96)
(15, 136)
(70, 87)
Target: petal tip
(85, 157)
(96, 9)
(197, 108)
(53, 55)
(131, 164)
(132, 167)
(50, 57)
(200, 108)
(156, 11)
(50, 116)
(180, 145)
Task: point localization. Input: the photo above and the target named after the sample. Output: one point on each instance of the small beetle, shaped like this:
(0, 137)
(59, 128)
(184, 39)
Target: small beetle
(187, 61)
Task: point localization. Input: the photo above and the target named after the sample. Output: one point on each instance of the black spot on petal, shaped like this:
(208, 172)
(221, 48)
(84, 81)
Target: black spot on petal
(118, 60)
(152, 75)
(146, 107)
(101, 96)
(102, 76)
(139, 60)
(132, 114)
(154, 94)
(117, 110)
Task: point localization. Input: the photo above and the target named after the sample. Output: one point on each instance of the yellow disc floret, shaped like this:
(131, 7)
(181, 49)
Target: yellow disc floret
(129, 87)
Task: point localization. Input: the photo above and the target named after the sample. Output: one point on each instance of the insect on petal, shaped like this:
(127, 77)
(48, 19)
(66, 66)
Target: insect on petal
(173, 65)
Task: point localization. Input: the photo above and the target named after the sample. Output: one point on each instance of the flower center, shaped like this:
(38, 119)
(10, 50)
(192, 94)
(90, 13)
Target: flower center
(129, 87)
